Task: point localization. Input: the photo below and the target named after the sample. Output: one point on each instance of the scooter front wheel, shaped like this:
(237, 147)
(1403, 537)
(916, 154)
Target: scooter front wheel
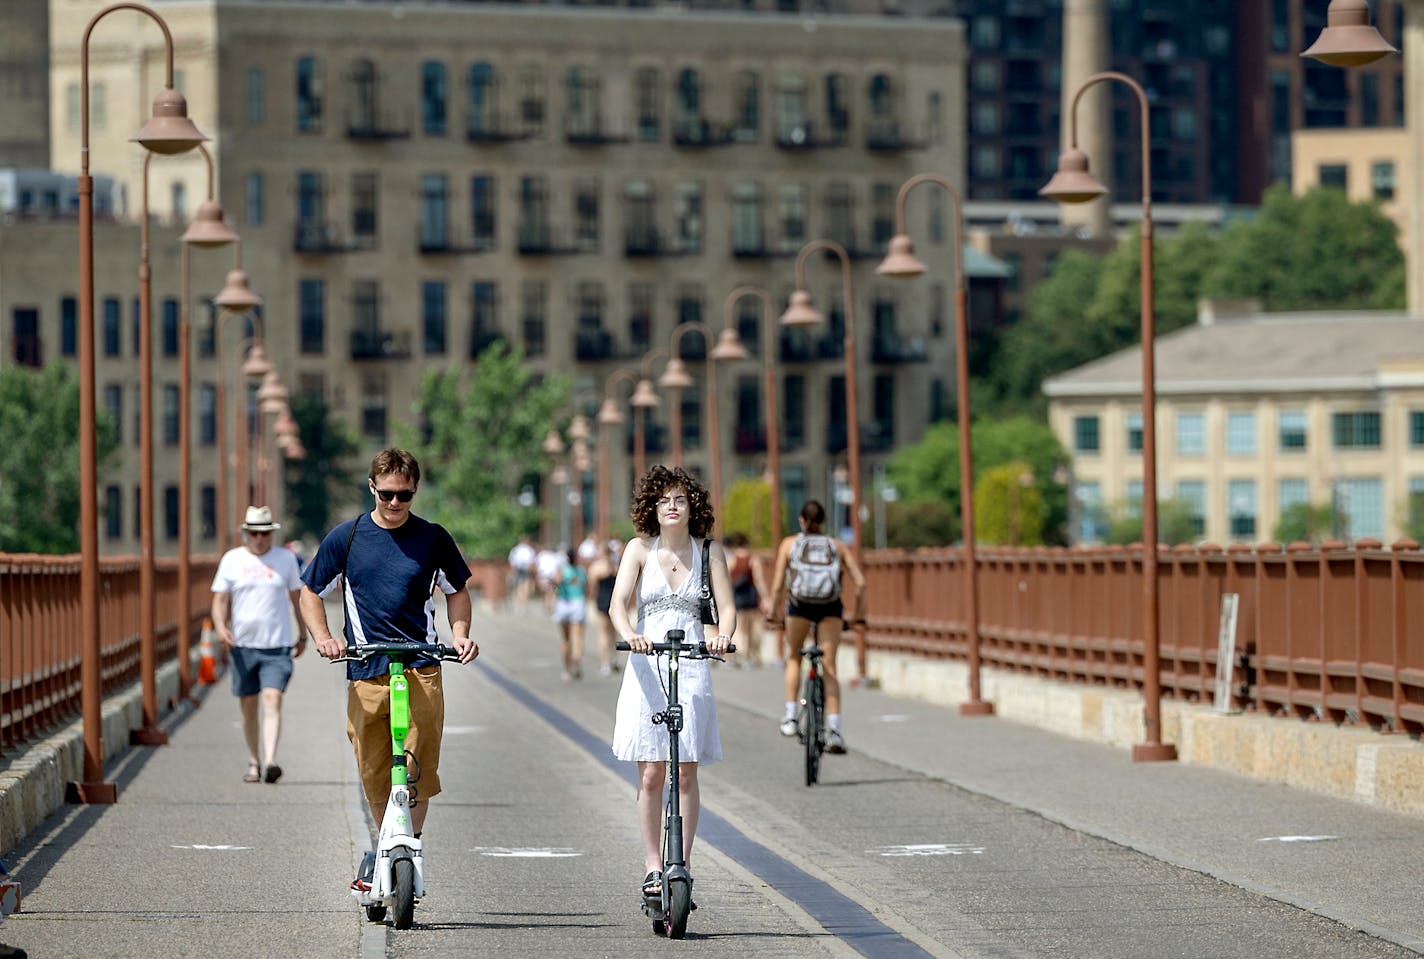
(679, 907)
(402, 888)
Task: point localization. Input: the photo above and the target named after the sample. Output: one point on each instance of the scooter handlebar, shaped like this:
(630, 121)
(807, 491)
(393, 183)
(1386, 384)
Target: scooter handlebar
(405, 651)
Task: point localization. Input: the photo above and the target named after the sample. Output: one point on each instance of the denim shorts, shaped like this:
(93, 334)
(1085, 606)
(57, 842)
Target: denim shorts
(254, 670)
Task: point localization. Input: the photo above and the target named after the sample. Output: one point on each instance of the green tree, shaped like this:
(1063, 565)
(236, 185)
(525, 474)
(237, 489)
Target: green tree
(482, 442)
(327, 482)
(1008, 507)
(747, 509)
(1414, 517)
(1176, 523)
(39, 476)
(1307, 523)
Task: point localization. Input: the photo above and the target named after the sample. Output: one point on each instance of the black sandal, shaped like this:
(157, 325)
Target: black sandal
(653, 886)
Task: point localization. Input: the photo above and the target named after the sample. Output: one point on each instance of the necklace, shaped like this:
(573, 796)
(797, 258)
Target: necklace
(674, 557)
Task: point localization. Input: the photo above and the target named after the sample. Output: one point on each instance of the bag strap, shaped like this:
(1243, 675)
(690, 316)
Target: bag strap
(351, 539)
(706, 571)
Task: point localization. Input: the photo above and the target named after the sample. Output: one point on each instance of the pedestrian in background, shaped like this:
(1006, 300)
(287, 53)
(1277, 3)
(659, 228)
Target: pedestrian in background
(601, 575)
(570, 610)
(521, 570)
(548, 564)
(254, 610)
(748, 587)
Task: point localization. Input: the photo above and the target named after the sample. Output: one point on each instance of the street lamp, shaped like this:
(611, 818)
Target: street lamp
(608, 415)
(553, 447)
(1348, 39)
(800, 312)
(271, 399)
(581, 462)
(1074, 184)
(644, 398)
(901, 262)
(168, 131)
(675, 378)
(235, 299)
(208, 230)
(773, 436)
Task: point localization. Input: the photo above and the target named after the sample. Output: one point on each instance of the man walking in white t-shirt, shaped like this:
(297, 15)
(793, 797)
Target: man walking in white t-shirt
(252, 618)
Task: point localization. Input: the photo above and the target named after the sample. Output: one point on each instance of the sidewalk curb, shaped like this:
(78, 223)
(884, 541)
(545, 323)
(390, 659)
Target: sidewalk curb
(1338, 761)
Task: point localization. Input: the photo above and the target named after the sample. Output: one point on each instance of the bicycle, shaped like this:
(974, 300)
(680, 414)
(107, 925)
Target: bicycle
(811, 717)
(669, 912)
(396, 867)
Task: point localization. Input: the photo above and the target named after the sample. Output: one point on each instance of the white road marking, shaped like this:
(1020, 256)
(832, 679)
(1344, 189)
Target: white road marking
(224, 848)
(930, 849)
(1297, 838)
(464, 730)
(893, 718)
(505, 852)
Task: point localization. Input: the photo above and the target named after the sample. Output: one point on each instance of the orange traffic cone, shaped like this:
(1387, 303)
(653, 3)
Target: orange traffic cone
(207, 663)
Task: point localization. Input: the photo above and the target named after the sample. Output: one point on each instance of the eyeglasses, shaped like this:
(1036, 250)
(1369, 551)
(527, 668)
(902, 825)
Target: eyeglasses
(404, 495)
(667, 502)
(259, 532)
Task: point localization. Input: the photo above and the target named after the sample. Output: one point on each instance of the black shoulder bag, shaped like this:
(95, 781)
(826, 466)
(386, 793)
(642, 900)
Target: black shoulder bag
(709, 604)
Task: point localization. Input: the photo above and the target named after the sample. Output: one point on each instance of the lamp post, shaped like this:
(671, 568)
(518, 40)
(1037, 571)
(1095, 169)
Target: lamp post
(553, 447)
(1074, 184)
(800, 312)
(579, 460)
(644, 398)
(773, 419)
(1348, 39)
(901, 262)
(235, 299)
(271, 398)
(209, 231)
(168, 131)
(608, 415)
(676, 379)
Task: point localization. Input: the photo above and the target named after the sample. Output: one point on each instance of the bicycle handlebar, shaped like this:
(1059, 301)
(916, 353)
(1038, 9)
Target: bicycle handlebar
(403, 651)
(696, 650)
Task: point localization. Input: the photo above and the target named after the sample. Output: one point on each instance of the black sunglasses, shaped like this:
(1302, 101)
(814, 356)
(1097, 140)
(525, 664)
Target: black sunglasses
(404, 495)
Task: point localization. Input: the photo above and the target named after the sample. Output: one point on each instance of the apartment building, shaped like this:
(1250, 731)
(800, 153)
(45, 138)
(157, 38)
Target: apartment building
(415, 181)
(1255, 412)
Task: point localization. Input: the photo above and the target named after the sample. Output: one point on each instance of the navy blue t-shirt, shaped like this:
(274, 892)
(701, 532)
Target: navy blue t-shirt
(391, 577)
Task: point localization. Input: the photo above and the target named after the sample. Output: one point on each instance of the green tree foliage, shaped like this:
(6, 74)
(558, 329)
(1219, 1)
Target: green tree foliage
(913, 525)
(482, 443)
(1307, 523)
(1176, 523)
(747, 509)
(1414, 517)
(1008, 507)
(327, 485)
(39, 476)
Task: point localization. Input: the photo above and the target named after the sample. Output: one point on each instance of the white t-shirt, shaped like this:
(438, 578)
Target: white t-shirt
(588, 550)
(260, 588)
(549, 563)
(522, 557)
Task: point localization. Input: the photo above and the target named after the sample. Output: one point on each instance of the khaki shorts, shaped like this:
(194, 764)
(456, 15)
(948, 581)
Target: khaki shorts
(368, 726)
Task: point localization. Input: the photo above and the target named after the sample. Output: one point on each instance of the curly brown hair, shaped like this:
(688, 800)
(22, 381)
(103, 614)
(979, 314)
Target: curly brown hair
(657, 481)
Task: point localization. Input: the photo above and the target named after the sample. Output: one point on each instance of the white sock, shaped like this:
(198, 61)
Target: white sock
(790, 711)
(833, 720)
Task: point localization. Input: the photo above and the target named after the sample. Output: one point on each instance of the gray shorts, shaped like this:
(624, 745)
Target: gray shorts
(254, 670)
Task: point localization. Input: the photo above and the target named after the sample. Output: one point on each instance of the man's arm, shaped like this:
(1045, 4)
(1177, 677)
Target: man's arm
(460, 609)
(301, 643)
(222, 603)
(313, 610)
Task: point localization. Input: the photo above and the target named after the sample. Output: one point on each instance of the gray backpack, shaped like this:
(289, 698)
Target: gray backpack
(814, 573)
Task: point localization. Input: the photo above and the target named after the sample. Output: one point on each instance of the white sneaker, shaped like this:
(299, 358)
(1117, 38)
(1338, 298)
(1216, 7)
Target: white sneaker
(788, 727)
(834, 742)
(605, 670)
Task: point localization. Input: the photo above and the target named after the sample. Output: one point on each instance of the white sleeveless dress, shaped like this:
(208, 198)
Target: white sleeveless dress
(635, 738)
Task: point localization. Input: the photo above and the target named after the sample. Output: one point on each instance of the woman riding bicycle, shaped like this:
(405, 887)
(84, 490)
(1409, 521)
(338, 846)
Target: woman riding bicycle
(809, 568)
(663, 568)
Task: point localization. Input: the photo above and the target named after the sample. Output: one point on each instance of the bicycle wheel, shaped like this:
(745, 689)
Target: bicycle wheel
(402, 888)
(679, 907)
(813, 737)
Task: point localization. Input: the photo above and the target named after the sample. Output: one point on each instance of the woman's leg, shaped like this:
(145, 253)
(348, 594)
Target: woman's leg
(828, 635)
(748, 636)
(690, 798)
(576, 649)
(650, 810)
(796, 630)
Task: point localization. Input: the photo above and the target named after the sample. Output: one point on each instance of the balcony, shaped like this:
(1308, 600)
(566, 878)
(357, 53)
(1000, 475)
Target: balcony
(536, 239)
(317, 237)
(449, 245)
(591, 132)
(887, 350)
(372, 127)
(494, 130)
(378, 344)
(697, 132)
(885, 136)
(643, 243)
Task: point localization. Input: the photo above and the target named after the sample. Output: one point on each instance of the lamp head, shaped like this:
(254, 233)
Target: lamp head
(559, 476)
(1073, 183)
(901, 261)
(800, 312)
(553, 443)
(208, 229)
(256, 366)
(169, 131)
(675, 377)
(1348, 40)
(236, 296)
(578, 429)
(729, 346)
(609, 414)
(644, 395)
(272, 392)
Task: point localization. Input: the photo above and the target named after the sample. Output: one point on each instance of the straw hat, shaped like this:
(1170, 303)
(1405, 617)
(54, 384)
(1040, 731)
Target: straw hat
(259, 520)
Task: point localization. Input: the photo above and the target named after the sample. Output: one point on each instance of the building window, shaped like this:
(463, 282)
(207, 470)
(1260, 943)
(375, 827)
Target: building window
(432, 310)
(984, 76)
(113, 513)
(68, 326)
(1134, 432)
(986, 119)
(364, 218)
(533, 296)
(208, 511)
(1192, 494)
(1241, 433)
(373, 408)
(791, 126)
(747, 239)
(484, 321)
(648, 92)
(984, 32)
(1416, 428)
(482, 221)
(586, 195)
(640, 317)
(837, 107)
(434, 212)
(112, 320)
(311, 207)
(256, 108)
(1356, 431)
(687, 121)
(793, 411)
(254, 205)
(640, 236)
(589, 308)
(1361, 500)
(584, 118)
(432, 97)
(481, 84)
(1382, 179)
(534, 214)
(840, 215)
(1191, 434)
(311, 315)
(26, 336)
(114, 406)
(170, 512)
(1085, 434)
(99, 106)
(986, 161)
(169, 324)
(1291, 430)
(170, 414)
(1291, 492)
(207, 415)
(71, 108)
(178, 201)
(1241, 508)
(746, 104)
(793, 217)
(1334, 175)
(883, 411)
(748, 324)
(531, 99)
(308, 95)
